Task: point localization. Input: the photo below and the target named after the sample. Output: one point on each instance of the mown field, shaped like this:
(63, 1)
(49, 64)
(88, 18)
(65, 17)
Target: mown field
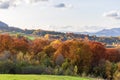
(39, 77)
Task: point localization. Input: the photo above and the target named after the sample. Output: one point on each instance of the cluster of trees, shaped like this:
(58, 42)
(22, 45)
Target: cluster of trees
(70, 57)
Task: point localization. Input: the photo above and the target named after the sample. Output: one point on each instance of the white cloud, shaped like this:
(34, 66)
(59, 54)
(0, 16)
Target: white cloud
(112, 14)
(33, 1)
(63, 5)
(92, 28)
(5, 4)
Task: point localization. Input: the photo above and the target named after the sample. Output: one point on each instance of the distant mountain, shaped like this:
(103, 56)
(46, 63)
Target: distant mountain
(105, 32)
(108, 32)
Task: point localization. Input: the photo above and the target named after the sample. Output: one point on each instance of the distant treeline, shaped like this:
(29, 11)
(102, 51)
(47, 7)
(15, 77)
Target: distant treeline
(60, 35)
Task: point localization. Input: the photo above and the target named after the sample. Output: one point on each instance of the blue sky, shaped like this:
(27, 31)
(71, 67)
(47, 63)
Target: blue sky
(61, 15)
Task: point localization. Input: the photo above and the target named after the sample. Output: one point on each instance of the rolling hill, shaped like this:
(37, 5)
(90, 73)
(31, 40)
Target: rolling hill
(6, 28)
(105, 32)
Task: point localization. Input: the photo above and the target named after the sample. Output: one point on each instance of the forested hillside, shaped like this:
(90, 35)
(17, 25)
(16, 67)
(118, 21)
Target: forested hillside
(57, 35)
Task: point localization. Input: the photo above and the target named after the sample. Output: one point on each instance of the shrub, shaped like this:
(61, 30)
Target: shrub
(48, 70)
(68, 71)
(6, 67)
(116, 75)
(58, 70)
(75, 70)
(108, 67)
(33, 70)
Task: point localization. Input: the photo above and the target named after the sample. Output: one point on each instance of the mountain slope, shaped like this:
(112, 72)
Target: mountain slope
(6, 28)
(108, 32)
(3, 26)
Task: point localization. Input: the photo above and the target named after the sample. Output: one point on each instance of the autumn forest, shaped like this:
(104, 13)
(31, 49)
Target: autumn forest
(77, 57)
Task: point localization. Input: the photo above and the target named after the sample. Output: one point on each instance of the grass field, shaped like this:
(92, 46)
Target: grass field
(39, 77)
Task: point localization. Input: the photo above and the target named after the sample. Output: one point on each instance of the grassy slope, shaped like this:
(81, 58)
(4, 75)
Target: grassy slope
(25, 35)
(39, 77)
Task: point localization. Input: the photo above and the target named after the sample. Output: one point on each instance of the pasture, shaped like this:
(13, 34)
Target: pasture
(39, 77)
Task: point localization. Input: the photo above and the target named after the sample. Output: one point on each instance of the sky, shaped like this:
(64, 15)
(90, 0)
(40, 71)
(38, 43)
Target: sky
(61, 15)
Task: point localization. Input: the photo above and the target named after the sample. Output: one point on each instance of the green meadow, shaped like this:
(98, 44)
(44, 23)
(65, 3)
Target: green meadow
(39, 77)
